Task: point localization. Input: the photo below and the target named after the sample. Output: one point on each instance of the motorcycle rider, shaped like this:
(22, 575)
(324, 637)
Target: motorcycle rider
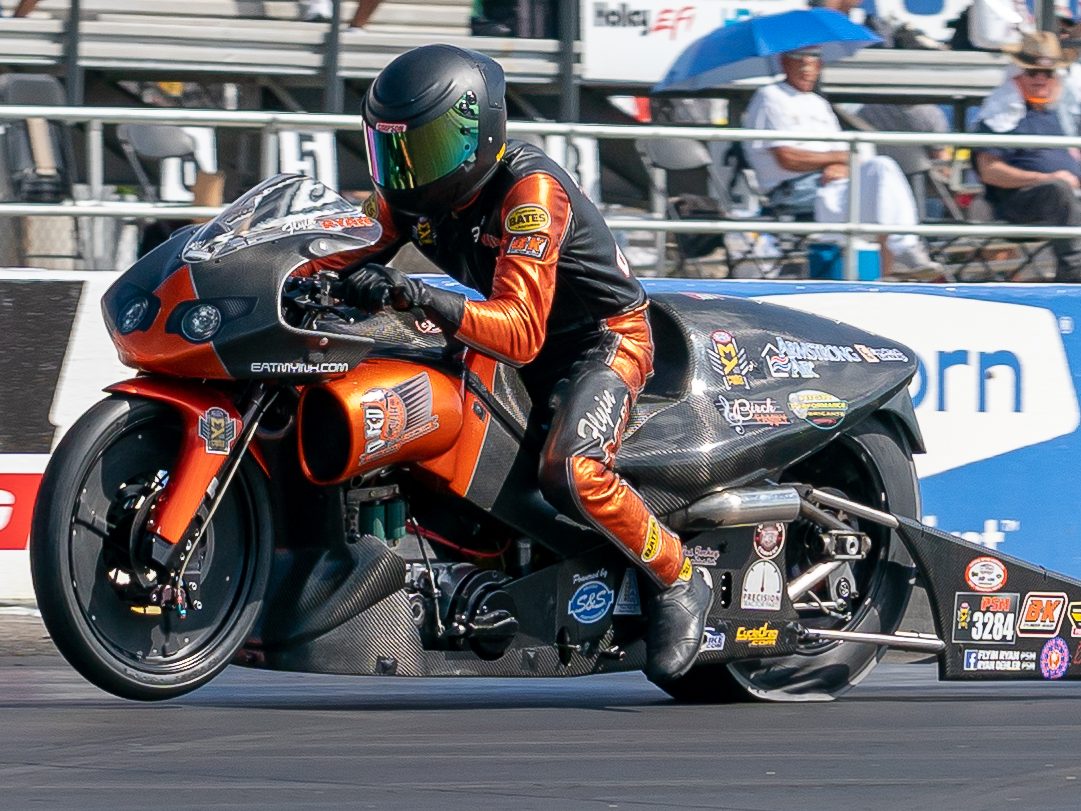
(561, 304)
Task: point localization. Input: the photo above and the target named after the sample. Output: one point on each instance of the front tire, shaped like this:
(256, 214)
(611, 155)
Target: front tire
(112, 460)
(872, 465)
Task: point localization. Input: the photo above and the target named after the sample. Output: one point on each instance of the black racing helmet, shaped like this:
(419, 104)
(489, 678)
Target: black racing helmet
(435, 125)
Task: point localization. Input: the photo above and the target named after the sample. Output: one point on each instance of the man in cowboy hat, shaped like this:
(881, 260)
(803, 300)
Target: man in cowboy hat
(1031, 185)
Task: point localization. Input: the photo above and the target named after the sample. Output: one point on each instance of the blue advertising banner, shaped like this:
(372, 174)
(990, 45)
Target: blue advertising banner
(995, 394)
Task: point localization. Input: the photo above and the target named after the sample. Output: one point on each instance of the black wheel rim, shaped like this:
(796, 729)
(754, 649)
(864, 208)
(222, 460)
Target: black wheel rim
(850, 473)
(129, 469)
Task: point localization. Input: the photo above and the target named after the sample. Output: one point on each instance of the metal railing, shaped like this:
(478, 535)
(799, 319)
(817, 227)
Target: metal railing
(270, 123)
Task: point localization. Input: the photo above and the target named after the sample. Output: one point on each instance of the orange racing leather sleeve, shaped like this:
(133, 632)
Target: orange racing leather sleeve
(510, 324)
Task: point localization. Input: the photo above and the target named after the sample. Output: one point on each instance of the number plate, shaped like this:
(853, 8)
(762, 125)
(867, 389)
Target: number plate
(985, 619)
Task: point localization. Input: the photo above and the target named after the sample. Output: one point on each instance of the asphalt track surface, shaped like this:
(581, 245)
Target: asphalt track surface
(258, 740)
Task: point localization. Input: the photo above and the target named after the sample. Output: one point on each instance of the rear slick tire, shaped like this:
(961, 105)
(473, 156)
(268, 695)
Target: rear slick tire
(870, 464)
(111, 460)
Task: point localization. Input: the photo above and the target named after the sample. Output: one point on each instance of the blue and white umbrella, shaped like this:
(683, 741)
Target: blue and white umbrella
(753, 47)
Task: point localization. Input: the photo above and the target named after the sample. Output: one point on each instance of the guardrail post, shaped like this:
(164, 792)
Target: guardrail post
(95, 175)
(659, 205)
(268, 151)
(334, 92)
(851, 255)
(73, 72)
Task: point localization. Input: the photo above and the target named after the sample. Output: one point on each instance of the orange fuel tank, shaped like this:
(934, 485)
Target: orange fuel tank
(384, 412)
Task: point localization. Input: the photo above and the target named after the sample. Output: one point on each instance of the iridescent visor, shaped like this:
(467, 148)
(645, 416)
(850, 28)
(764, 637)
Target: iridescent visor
(407, 158)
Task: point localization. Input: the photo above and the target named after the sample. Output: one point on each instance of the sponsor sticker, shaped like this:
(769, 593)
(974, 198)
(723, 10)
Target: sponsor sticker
(527, 218)
(873, 354)
(591, 602)
(769, 540)
(779, 364)
(390, 127)
(371, 206)
(1074, 613)
(712, 639)
(819, 408)
(339, 223)
(652, 546)
(1077, 655)
(761, 637)
(298, 368)
(998, 660)
(739, 412)
(702, 555)
(218, 430)
(807, 350)
(985, 619)
(534, 246)
(1041, 613)
(729, 361)
(985, 574)
(423, 233)
(1054, 658)
(428, 327)
(762, 587)
(395, 416)
(629, 599)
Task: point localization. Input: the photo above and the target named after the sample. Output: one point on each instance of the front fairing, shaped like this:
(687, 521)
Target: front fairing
(151, 310)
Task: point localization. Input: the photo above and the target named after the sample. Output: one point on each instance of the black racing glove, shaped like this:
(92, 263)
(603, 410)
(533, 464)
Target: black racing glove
(373, 286)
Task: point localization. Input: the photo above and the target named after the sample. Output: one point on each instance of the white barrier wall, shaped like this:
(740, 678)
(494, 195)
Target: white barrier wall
(56, 358)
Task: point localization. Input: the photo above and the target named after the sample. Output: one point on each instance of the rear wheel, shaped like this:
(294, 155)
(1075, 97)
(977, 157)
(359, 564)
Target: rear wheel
(870, 465)
(91, 584)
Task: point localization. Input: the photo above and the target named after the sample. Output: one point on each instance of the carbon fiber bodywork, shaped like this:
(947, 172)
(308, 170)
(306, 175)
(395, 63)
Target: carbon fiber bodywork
(741, 391)
(556, 636)
(676, 451)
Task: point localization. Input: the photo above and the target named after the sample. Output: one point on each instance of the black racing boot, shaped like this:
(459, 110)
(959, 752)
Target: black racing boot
(677, 619)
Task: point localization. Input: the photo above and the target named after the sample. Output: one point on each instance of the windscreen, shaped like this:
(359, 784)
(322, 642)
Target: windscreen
(277, 207)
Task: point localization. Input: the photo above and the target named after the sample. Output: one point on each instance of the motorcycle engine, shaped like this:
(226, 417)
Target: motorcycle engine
(466, 607)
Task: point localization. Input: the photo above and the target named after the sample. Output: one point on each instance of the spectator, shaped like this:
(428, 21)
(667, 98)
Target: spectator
(1030, 185)
(316, 10)
(816, 172)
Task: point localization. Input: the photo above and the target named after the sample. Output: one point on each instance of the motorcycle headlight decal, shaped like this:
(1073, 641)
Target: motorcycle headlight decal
(133, 315)
(200, 323)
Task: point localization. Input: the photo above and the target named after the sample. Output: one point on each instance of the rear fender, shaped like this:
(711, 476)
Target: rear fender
(211, 426)
(899, 411)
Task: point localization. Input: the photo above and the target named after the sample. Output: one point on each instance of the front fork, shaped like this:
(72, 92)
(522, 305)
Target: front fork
(216, 436)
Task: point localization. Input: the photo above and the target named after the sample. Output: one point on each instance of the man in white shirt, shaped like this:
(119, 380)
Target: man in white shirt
(817, 171)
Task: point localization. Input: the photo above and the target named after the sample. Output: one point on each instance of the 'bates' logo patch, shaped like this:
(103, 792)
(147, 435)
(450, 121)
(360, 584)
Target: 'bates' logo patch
(527, 218)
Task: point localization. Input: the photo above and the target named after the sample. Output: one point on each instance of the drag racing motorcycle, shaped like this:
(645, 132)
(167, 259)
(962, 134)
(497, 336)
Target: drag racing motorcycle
(292, 484)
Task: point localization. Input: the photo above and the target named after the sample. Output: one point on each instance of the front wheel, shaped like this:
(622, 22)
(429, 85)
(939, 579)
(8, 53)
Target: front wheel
(870, 465)
(90, 585)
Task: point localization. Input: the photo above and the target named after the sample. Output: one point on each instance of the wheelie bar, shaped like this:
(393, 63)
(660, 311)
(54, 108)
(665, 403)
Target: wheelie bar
(997, 617)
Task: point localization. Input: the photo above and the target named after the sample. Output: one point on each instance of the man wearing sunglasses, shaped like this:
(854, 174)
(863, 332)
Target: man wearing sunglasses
(1030, 185)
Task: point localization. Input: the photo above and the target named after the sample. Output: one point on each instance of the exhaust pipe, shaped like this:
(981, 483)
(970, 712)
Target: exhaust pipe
(738, 507)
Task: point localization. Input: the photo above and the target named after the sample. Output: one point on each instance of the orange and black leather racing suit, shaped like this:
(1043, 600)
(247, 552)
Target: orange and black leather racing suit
(561, 303)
